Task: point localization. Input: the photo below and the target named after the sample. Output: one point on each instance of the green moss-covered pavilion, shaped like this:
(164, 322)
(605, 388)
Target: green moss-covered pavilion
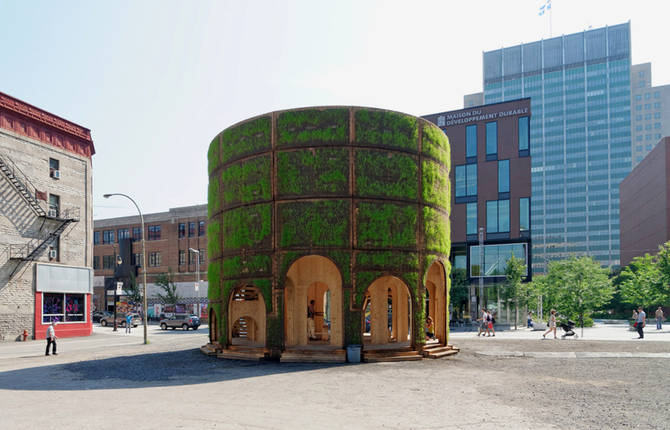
(328, 227)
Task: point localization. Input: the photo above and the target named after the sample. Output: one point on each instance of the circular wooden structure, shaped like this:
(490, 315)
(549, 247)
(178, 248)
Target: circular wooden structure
(328, 227)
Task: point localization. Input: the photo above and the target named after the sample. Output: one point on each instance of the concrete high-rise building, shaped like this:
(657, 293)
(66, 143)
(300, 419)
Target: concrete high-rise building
(472, 100)
(650, 112)
(580, 91)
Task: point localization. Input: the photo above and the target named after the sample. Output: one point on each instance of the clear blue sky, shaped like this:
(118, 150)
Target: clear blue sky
(156, 80)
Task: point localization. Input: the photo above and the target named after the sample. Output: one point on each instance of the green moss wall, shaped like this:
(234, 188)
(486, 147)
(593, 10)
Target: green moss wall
(367, 188)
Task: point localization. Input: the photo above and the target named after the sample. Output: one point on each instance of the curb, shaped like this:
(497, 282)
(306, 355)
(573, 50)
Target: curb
(571, 354)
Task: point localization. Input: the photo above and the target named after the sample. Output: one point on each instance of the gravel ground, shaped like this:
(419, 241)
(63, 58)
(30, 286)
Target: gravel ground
(172, 385)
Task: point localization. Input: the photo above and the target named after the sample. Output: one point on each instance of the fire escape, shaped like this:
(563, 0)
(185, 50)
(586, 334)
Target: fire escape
(53, 216)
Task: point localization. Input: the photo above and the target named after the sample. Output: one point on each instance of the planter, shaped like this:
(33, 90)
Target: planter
(354, 353)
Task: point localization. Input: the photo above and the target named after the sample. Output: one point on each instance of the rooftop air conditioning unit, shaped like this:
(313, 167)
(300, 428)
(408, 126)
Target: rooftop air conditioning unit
(55, 174)
(53, 213)
(53, 254)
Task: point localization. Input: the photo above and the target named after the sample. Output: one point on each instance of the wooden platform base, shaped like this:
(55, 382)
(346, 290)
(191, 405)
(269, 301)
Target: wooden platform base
(242, 353)
(438, 350)
(390, 354)
(313, 356)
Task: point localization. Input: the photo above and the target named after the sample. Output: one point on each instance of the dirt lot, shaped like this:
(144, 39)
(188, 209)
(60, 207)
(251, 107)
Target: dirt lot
(169, 384)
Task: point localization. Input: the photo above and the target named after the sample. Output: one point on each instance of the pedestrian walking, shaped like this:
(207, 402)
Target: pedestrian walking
(490, 321)
(311, 335)
(640, 322)
(529, 320)
(552, 325)
(129, 322)
(51, 338)
(659, 318)
(482, 322)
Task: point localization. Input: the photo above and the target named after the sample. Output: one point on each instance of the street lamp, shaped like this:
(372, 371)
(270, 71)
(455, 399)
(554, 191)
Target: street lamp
(144, 264)
(197, 276)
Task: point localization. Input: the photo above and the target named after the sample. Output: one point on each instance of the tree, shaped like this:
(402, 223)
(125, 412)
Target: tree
(133, 292)
(458, 294)
(663, 263)
(641, 283)
(580, 286)
(164, 281)
(514, 271)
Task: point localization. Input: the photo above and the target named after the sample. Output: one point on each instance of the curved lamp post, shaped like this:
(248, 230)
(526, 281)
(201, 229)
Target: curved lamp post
(197, 276)
(144, 264)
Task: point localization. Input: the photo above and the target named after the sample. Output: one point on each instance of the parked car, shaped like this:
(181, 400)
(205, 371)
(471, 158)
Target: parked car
(120, 320)
(184, 321)
(97, 315)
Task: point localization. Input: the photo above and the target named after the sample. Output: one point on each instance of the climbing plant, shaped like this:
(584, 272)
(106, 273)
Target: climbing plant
(247, 265)
(320, 171)
(386, 225)
(247, 181)
(386, 174)
(384, 128)
(247, 227)
(435, 189)
(313, 127)
(247, 138)
(314, 223)
(436, 144)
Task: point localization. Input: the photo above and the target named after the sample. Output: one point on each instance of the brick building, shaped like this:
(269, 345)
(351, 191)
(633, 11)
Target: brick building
(45, 222)
(645, 204)
(491, 179)
(169, 236)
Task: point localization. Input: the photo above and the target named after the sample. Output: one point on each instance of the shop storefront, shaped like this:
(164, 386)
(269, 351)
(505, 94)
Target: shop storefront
(63, 294)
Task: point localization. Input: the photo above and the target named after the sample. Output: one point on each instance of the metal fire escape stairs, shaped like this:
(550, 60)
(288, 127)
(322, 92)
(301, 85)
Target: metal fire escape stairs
(33, 249)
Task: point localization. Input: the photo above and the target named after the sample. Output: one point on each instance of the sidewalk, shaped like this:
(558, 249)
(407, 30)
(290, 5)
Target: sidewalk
(611, 332)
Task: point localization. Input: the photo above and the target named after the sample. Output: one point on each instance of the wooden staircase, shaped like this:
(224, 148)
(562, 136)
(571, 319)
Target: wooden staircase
(247, 353)
(391, 354)
(438, 350)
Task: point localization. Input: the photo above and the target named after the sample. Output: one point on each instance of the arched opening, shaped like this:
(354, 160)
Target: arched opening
(246, 317)
(313, 303)
(213, 326)
(436, 300)
(387, 313)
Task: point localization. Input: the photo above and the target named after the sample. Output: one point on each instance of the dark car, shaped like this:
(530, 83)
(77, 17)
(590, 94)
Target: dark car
(96, 316)
(184, 321)
(120, 320)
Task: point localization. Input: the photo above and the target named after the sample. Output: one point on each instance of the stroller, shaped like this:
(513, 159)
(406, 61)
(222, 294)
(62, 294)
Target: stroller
(567, 327)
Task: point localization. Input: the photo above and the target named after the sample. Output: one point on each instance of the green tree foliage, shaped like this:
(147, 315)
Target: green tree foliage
(458, 294)
(165, 282)
(663, 262)
(133, 291)
(641, 282)
(577, 287)
(514, 271)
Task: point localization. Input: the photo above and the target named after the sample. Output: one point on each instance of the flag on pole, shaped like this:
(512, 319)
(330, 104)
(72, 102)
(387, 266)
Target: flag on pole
(545, 7)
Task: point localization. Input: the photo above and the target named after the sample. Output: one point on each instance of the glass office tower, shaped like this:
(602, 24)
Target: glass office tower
(579, 85)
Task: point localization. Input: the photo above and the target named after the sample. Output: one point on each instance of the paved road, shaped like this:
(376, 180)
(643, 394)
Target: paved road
(110, 380)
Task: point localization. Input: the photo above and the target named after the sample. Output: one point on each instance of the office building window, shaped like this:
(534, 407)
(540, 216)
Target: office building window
(657, 95)
(460, 261)
(640, 74)
(657, 136)
(647, 96)
(191, 229)
(647, 127)
(182, 257)
(647, 106)
(638, 148)
(471, 141)
(649, 147)
(191, 257)
(503, 176)
(122, 233)
(524, 214)
(491, 139)
(466, 180)
(201, 228)
(154, 259)
(647, 117)
(638, 97)
(471, 217)
(137, 233)
(182, 229)
(638, 128)
(96, 262)
(638, 117)
(657, 115)
(647, 137)
(154, 232)
(137, 259)
(495, 258)
(96, 238)
(638, 107)
(107, 262)
(524, 133)
(657, 105)
(639, 138)
(107, 236)
(497, 216)
(201, 254)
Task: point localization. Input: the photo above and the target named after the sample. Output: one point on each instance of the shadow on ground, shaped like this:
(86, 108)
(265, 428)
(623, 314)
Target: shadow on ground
(176, 368)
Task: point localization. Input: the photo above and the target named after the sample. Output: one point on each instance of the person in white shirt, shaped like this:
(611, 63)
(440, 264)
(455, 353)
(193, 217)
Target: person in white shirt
(641, 322)
(51, 338)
